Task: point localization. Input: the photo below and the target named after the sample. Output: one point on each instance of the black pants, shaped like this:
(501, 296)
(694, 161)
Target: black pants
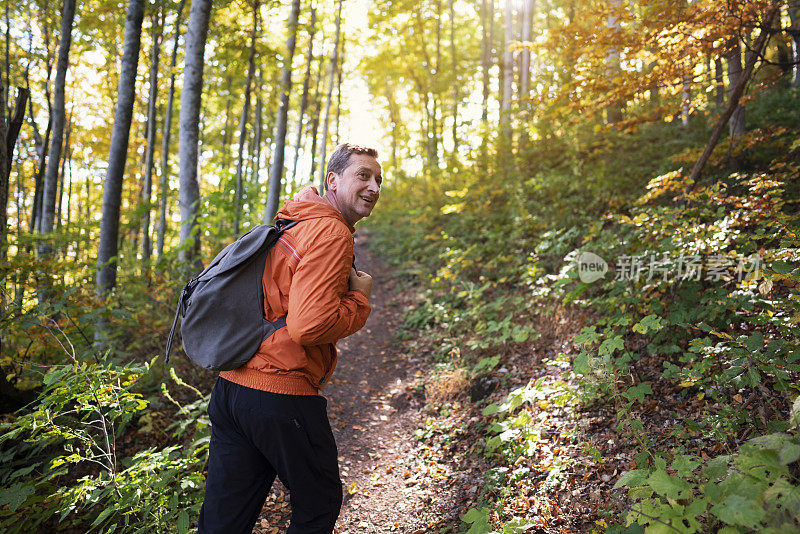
(256, 435)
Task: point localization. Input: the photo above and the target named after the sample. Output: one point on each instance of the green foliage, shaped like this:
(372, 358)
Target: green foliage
(61, 463)
(753, 489)
(478, 519)
(709, 318)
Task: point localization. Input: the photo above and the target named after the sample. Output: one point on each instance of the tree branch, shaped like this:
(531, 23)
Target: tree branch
(735, 96)
(15, 124)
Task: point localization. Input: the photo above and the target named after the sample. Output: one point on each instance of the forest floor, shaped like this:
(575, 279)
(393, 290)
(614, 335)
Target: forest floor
(393, 481)
(411, 439)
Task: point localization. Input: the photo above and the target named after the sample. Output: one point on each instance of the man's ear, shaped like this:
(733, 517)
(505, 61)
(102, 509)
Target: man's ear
(331, 180)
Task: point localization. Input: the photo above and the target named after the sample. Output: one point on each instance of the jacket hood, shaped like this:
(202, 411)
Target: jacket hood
(307, 204)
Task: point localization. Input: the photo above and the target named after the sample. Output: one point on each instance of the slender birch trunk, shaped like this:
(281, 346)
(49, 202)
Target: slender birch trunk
(189, 131)
(614, 110)
(50, 185)
(793, 6)
(528, 9)
(734, 60)
(164, 187)
(719, 82)
(686, 99)
(226, 138)
(158, 30)
(258, 132)
(304, 98)
(435, 123)
(276, 167)
(41, 144)
(393, 116)
(15, 125)
(487, 21)
(339, 89)
(251, 67)
(107, 249)
(69, 188)
(508, 71)
(62, 174)
(454, 62)
(323, 146)
(9, 131)
(5, 164)
(315, 116)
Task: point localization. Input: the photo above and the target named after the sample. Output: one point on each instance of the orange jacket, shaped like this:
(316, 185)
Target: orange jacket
(306, 278)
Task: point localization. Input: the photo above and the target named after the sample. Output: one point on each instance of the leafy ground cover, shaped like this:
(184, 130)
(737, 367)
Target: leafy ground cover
(636, 363)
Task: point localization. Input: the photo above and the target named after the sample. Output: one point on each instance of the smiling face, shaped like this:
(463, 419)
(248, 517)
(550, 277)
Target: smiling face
(355, 191)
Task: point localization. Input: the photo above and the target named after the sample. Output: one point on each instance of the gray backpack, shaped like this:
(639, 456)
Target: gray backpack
(223, 307)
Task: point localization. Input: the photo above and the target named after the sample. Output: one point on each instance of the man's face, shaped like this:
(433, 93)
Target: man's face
(357, 188)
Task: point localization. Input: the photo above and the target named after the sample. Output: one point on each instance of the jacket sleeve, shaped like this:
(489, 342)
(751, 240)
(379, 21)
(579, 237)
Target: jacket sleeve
(322, 308)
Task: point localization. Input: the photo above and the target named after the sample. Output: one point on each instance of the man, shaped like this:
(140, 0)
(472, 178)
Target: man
(267, 417)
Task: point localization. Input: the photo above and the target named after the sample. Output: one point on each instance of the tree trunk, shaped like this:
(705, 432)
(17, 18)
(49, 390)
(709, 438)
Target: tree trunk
(525, 74)
(112, 188)
(20, 277)
(50, 186)
(251, 67)
(614, 110)
(734, 59)
(339, 90)
(41, 145)
(63, 174)
(258, 132)
(315, 115)
(686, 99)
(455, 82)
(276, 168)
(508, 71)
(68, 159)
(9, 130)
(226, 139)
(158, 30)
(528, 7)
(655, 96)
(5, 166)
(436, 91)
(395, 120)
(162, 222)
(304, 98)
(7, 87)
(8, 140)
(15, 124)
(487, 22)
(719, 82)
(331, 73)
(735, 95)
(794, 18)
(188, 134)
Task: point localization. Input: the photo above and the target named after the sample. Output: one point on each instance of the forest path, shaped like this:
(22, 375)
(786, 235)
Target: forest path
(392, 481)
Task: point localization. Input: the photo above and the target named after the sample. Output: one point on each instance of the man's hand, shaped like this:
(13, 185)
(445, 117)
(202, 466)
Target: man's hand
(360, 281)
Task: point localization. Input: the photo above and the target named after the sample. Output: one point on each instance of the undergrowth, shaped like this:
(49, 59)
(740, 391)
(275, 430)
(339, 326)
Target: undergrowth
(688, 293)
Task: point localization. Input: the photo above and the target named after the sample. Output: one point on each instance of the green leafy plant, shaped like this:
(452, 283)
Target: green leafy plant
(61, 457)
(754, 489)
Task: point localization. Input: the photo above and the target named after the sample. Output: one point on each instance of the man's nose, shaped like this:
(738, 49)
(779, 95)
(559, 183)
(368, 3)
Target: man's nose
(374, 186)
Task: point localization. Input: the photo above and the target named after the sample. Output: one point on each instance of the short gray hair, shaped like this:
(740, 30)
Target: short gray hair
(341, 155)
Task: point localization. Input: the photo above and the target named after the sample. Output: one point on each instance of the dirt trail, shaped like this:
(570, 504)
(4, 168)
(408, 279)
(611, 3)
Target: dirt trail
(392, 481)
